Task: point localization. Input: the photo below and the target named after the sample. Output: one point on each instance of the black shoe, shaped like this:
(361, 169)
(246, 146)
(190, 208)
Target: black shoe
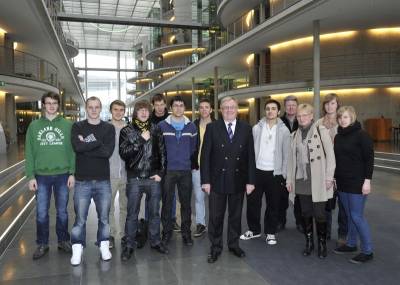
(213, 256)
(362, 258)
(161, 248)
(176, 228)
(237, 251)
(126, 253)
(123, 242)
(40, 251)
(112, 242)
(187, 240)
(65, 246)
(345, 249)
(200, 230)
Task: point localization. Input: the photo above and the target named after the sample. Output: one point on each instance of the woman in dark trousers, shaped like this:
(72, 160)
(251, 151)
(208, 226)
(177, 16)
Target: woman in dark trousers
(354, 166)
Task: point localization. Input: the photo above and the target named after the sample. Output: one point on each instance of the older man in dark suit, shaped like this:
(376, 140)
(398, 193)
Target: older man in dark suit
(227, 171)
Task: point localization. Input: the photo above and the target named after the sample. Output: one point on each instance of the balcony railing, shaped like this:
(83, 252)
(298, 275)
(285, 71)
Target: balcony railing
(22, 64)
(349, 66)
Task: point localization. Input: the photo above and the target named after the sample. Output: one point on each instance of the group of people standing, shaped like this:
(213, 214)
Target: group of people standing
(159, 153)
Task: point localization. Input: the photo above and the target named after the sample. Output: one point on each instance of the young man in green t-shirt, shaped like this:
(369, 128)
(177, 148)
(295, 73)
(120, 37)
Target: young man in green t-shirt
(50, 167)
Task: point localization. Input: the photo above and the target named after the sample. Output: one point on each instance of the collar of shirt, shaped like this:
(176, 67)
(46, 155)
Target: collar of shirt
(233, 127)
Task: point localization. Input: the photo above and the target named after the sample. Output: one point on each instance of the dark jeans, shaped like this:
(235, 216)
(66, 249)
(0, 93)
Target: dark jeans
(217, 207)
(272, 186)
(100, 191)
(46, 185)
(312, 209)
(342, 220)
(134, 192)
(182, 179)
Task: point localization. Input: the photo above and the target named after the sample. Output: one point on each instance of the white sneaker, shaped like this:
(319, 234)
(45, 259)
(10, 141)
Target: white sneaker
(249, 235)
(105, 250)
(77, 251)
(271, 239)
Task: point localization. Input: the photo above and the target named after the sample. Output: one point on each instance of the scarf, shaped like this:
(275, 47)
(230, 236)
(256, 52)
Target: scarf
(302, 152)
(143, 126)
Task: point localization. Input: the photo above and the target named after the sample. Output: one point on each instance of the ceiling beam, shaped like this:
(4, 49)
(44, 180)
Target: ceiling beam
(129, 21)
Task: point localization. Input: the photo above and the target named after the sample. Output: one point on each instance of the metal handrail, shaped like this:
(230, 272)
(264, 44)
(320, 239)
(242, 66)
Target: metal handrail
(345, 66)
(26, 65)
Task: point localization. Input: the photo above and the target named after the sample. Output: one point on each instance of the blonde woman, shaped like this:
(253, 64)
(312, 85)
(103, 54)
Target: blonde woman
(355, 163)
(311, 166)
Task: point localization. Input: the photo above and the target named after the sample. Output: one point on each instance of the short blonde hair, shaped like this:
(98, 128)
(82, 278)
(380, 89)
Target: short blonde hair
(226, 99)
(350, 110)
(305, 108)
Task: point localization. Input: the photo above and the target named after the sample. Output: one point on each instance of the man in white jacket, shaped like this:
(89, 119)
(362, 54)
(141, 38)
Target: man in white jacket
(271, 143)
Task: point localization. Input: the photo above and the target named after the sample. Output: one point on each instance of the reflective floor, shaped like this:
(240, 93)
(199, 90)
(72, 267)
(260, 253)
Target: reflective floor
(279, 264)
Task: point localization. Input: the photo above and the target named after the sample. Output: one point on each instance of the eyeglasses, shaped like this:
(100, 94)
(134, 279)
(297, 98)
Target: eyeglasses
(303, 115)
(229, 108)
(51, 103)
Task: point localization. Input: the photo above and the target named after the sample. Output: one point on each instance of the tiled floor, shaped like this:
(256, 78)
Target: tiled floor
(280, 264)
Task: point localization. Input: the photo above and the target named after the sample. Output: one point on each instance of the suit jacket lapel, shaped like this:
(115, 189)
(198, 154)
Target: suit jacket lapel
(223, 131)
(237, 130)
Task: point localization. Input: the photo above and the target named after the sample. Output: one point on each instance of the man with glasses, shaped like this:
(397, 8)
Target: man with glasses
(50, 167)
(227, 168)
(180, 138)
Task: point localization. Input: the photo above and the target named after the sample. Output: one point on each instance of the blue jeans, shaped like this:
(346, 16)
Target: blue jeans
(134, 191)
(354, 205)
(199, 198)
(46, 185)
(100, 191)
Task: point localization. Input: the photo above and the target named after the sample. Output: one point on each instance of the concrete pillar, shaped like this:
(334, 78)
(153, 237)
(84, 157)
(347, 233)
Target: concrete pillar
(252, 111)
(6, 54)
(216, 91)
(262, 12)
(42, 70)
(11, 117)
(316, 68)
(193, 100)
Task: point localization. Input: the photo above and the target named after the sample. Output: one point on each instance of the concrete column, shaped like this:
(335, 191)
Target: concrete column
(193, 100)
(42, 70)
(316, 68)
(11, 118)
(6, 54)
(252, 111)
(216, 91)
(262, 12)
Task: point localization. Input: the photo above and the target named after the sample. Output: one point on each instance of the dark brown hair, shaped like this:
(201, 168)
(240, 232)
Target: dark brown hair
(143, 104)
(51, 95)
(158, 97)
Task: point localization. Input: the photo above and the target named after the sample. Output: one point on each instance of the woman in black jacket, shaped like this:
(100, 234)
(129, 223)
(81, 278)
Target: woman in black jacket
(354, 166)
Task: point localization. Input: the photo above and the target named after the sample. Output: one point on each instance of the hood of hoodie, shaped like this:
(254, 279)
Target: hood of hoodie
(169, 118)
(350, 129)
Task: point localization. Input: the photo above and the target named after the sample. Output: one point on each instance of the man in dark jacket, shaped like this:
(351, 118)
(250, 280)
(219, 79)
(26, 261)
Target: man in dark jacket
(180, 137)
(290, 120)
(227, 170)
(141, 146)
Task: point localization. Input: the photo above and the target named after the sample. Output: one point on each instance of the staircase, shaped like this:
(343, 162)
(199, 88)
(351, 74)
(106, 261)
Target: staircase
(16, 203)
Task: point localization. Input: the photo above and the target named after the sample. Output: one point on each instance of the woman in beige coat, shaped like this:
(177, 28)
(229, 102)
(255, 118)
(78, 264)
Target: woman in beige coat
(311, 167)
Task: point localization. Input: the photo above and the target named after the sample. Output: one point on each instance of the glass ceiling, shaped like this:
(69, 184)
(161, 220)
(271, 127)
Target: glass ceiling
(106, 36)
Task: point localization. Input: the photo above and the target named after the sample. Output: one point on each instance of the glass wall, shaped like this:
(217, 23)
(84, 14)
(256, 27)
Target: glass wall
(104, 74)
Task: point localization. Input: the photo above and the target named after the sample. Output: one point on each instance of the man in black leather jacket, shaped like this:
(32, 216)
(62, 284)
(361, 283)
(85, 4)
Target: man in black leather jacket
(141, 146)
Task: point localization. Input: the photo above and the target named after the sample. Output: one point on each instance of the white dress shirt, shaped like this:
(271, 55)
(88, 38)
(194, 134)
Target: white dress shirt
(232, 127)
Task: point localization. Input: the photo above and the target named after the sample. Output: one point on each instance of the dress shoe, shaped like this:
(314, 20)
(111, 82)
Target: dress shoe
(237, 251)
(40, 251)
(126, 253)
(160, 248)
(213, 256)
(187, 240)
